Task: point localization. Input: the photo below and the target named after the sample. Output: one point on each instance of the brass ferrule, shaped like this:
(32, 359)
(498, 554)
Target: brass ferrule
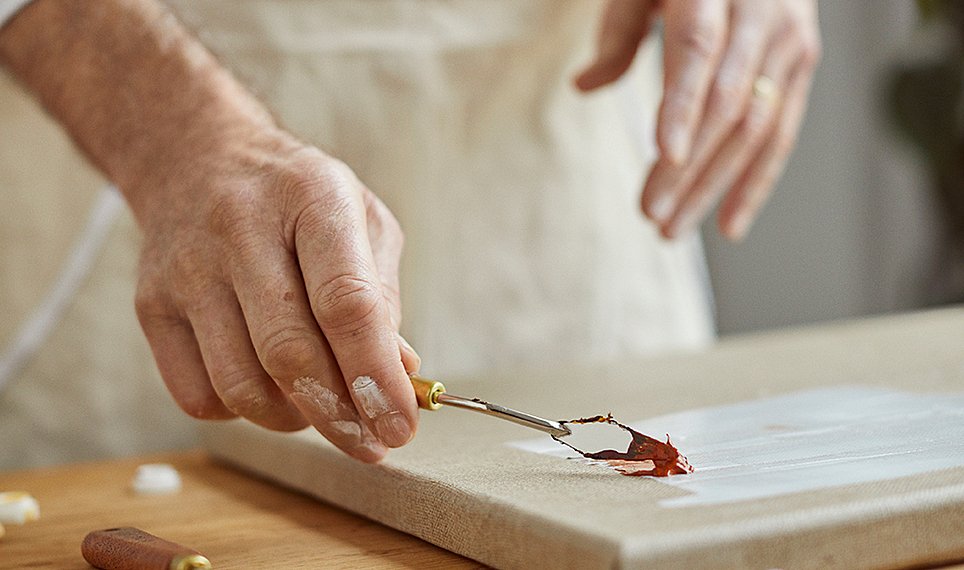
(427, 392)
(190, 562)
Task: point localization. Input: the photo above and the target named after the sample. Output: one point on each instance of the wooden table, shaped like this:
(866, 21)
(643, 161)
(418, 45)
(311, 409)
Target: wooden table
(235, 520)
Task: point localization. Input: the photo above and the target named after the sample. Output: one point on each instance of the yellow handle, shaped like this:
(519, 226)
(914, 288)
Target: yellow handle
(426, 392)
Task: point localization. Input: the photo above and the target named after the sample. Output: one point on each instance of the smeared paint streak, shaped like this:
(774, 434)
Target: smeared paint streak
(325, 399)
(646, 456)
(346, 428)
(336, 417)
(370, 397)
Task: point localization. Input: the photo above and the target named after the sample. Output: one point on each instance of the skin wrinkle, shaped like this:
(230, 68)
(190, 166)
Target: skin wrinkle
(212, 180)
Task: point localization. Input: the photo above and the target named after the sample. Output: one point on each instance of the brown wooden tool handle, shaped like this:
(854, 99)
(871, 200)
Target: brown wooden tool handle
(133, 549)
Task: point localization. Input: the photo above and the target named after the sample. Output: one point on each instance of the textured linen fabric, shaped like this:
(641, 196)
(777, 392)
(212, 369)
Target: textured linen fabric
(518, 197)
(460, 486)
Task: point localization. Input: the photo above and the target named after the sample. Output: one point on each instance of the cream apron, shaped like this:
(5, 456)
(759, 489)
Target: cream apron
(518, 197)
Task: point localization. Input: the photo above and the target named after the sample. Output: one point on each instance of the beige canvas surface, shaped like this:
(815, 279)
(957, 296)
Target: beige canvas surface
(460, 486)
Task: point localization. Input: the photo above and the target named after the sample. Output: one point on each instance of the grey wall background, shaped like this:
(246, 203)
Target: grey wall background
(850, 230)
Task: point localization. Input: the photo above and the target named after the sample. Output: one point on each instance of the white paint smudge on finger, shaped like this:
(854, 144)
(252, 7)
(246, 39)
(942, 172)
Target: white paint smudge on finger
(327, 402)
(370, 397)
(335, 416)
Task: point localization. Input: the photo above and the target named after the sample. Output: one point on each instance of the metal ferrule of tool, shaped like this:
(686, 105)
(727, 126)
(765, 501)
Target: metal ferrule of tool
(431, 395)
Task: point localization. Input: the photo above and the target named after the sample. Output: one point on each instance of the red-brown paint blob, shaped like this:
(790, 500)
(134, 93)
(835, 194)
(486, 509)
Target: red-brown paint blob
(646, 456)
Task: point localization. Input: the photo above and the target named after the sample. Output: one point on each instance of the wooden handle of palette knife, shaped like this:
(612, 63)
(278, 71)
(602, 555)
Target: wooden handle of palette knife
(133, 549)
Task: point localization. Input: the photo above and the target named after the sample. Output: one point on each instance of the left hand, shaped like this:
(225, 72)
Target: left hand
(737, 76)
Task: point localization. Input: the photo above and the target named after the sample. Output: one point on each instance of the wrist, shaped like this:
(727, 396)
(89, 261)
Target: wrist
(145, 101)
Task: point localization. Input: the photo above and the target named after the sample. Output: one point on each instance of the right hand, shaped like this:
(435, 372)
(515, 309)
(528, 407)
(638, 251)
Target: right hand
(269, 289)
(269, 276)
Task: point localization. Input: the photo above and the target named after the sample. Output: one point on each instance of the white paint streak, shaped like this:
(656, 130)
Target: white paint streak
(805, 441)
(347, 429)
(337, 418)
(370, 397)
(327, 402)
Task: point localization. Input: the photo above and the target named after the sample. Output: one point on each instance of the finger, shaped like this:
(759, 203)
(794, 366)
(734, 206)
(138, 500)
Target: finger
(624, 26)
(293, 351)
(693, 40)
(741, 145)
(743, 57)
(410, 359)
(346, 298)
(386, 239)
(235, 371)
(741, 205)
(726, 103)
(181, 366)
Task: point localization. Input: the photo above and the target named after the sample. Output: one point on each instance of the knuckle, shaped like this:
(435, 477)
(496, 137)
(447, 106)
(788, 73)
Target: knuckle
(702, 39)
(314, 192)
(230, 212)
(347, 304)
(288, 353)
(244, 395)
(192, 284)
(149, 303)
(185, 263)
(724, 102)
(306, 179)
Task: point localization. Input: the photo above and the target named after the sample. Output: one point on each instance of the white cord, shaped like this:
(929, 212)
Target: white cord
(45, 318)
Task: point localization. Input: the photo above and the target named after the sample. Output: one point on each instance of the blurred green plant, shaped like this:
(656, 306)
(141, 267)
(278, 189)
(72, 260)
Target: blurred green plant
(927, 102)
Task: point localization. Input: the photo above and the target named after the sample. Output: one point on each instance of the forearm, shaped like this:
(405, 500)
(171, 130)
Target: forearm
(142, 97)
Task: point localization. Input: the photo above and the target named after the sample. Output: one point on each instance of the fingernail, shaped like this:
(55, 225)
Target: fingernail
(393, 429)
(390, 426)
(677, 144)
(662, 207)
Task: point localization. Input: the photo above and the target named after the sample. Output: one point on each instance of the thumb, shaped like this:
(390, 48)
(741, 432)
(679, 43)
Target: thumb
(624, 25)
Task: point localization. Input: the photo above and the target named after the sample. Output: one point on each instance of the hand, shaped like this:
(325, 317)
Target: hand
(269, 290)
(737, 76)
(269, 276)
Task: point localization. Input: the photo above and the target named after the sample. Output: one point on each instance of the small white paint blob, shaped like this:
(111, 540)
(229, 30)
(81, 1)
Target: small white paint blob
(17, 507)
(156, 479)
(370, 397)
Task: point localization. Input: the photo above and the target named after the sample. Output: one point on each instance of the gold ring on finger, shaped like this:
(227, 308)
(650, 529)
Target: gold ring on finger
(765, 88)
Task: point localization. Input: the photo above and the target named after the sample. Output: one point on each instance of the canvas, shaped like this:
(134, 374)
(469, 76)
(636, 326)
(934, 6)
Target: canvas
(466, 484)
